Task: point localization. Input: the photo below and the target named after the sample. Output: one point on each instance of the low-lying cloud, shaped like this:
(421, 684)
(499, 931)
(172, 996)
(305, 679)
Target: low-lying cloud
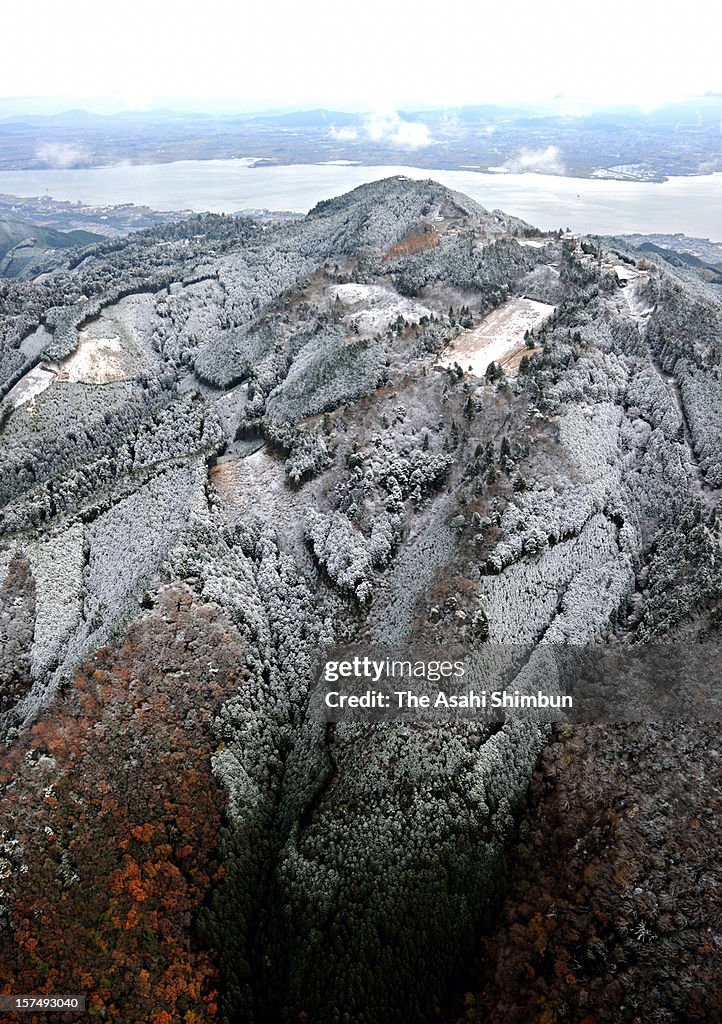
(387, 128)
(393, 129)
(344, 134)
(61, 154)
(543, 161)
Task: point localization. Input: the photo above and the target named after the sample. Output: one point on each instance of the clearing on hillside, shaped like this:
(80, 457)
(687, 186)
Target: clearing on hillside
(498, 339)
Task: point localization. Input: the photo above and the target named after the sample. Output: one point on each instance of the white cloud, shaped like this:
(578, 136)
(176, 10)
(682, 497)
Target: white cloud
(543, 161)
(61, 154)
(344, 134)
(412, 135)
(388, 127)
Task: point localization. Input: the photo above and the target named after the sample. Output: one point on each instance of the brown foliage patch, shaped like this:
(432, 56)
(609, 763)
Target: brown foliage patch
(614, 904)
(414, 244)
(111, 814)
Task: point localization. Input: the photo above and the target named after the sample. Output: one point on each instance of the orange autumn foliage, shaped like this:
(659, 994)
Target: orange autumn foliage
(417, 243)
(111, 814)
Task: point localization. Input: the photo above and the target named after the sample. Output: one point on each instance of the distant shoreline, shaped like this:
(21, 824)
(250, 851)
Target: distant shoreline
(691, 204)
(256, 162)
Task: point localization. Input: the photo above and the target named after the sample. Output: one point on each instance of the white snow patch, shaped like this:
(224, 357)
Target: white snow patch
(624, 272)
(638, 303)
(499, 337)
(30, 386)
(34, 343)
(95, 361)
(350, 294)
(256, 485)
(381, 306)
(533, 243)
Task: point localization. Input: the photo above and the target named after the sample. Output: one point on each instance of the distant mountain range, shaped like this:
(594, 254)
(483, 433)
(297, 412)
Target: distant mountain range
(623, 143)
(17, 232)
(685, 259)
(709, 253)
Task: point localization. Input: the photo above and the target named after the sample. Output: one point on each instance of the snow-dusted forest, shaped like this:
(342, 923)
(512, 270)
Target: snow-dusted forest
(224, 446)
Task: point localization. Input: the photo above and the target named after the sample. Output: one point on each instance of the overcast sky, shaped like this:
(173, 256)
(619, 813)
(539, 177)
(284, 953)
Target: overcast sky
(370, 55)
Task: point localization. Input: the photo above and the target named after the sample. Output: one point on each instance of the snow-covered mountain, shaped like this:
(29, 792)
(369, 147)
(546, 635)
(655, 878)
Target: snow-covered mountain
(224, 446)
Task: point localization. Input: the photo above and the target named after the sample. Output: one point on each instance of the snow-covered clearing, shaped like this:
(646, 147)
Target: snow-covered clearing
(637, 302)
(379, 306)
(95, 361)
(34, 343)
(256, 483)
(256, 486)
(111, 348)
(30, 386)
(114, 346)
(533, 243)
(624, 272)
(498, 338)
(351, 294)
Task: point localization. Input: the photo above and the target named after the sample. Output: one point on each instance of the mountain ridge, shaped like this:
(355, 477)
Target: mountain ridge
(244, 444)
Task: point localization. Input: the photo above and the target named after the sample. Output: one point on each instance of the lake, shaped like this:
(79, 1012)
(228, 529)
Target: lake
(692, 205)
